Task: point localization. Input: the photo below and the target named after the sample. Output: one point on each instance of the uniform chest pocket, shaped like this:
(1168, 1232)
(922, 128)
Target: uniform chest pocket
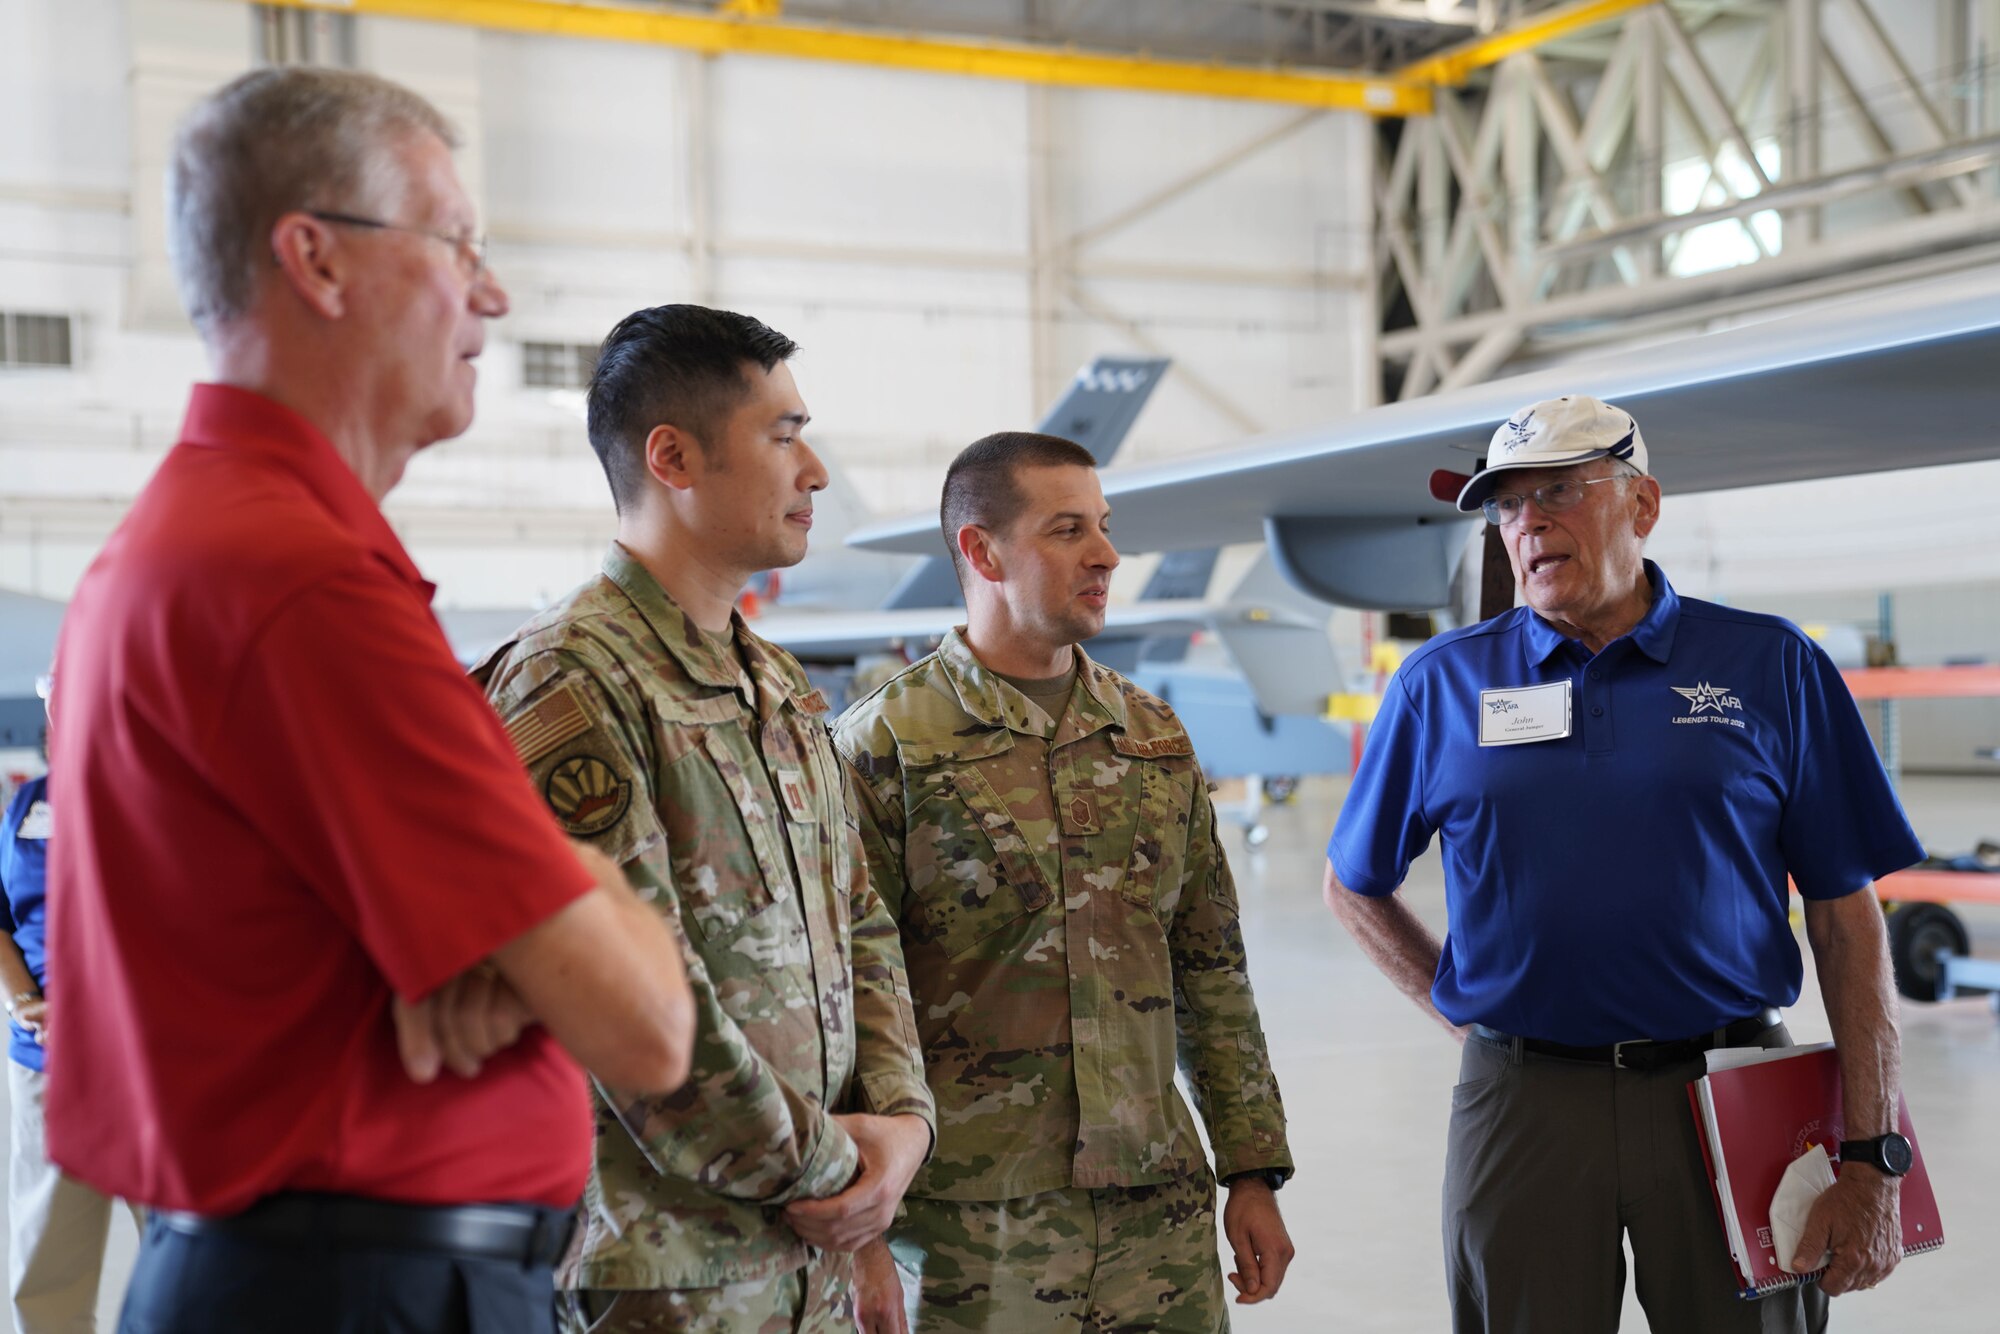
(970, 871)
(1159, 840)
(724, 837)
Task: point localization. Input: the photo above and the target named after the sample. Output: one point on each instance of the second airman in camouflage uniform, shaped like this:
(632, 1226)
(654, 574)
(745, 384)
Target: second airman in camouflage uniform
(1048, 849)
(700, 760)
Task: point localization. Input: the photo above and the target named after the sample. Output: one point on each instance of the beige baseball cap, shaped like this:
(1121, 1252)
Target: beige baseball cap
(1553, 433)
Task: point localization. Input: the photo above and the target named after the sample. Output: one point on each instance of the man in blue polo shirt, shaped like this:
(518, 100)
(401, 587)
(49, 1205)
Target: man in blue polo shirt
(1622, 780)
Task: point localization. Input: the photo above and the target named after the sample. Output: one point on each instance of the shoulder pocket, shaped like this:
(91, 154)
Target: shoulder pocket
(969, 869)
(1159, 841)
(724, 839)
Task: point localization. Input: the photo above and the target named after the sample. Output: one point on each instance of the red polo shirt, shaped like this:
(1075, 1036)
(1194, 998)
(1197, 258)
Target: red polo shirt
(283, 800)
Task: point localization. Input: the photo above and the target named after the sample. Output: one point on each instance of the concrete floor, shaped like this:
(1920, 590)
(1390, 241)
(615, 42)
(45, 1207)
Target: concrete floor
(1366, 1081)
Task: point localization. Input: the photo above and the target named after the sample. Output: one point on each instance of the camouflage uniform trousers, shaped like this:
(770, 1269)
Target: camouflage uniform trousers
(818, 1299)
(1087, 1261)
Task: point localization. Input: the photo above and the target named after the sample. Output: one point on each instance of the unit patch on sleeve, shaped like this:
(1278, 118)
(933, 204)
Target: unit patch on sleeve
(552, 720)
(587, 795)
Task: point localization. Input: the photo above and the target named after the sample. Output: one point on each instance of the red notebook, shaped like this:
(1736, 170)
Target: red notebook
(1755, 1112)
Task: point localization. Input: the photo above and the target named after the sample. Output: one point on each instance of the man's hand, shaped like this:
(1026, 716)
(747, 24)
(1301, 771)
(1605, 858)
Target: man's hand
(892, 1148)
(34, 1016)
(1859, 1219)
(459, 1025)
(880, 1290)
(1257, 1235)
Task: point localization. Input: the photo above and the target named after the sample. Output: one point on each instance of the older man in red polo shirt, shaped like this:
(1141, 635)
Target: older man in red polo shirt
(300, 867)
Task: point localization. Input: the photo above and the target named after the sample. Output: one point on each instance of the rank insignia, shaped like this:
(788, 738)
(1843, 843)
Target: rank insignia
(587, 795)
(1082, 816)
(792, 788)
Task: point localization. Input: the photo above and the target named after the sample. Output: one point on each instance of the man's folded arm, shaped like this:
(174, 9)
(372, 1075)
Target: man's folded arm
(604, 976)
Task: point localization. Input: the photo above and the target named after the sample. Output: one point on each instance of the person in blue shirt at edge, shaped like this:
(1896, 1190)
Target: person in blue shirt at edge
(1622, 780)
(56, 1225)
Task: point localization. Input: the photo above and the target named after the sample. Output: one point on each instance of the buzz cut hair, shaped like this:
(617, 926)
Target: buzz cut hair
(983, 488)
(680, 366)
(272, 142)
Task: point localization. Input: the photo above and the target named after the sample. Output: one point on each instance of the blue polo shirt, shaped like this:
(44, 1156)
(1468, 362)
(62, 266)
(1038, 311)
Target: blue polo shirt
(1628, 880)
(24, 858)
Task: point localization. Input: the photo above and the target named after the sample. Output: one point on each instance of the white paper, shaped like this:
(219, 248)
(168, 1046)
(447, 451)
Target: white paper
(1805, 1180)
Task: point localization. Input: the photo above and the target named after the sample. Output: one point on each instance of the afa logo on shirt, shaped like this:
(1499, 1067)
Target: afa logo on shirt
(1709, 704)
(587, 795)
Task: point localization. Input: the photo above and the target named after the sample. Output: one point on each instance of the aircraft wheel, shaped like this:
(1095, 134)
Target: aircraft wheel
(1917, 931)
(1280, 788)
(1256, 836)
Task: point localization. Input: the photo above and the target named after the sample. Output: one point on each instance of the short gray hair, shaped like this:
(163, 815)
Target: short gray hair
(266, 144)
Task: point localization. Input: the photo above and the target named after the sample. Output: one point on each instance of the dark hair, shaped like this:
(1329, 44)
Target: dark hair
(982, 486)
(671, 365)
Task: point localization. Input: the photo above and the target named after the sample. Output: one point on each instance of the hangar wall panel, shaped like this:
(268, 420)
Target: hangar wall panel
(888, 221)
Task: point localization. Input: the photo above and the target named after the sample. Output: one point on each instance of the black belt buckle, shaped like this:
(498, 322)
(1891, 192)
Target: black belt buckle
(1646, 1055)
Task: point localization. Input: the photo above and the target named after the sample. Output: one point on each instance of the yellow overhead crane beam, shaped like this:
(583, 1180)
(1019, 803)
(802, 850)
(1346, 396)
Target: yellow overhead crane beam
(1452, 67)
(752, 27)
(1021, 62)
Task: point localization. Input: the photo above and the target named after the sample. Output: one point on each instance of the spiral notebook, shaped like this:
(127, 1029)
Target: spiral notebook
(1755, 1111)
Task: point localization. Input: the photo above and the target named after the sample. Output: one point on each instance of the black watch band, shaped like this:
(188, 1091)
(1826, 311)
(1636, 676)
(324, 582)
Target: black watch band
(1889, 1154)
(1270, 1176)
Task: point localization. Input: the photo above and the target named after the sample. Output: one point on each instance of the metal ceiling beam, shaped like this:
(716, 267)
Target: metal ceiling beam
(1013, 61)
(1452, 68)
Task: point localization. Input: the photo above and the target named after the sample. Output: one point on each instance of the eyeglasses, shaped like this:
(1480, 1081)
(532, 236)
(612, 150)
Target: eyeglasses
(1507, 507)
(471, 247)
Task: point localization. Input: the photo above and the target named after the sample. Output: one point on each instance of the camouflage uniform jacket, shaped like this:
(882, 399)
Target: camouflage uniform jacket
(1067, 914)
(724, 801)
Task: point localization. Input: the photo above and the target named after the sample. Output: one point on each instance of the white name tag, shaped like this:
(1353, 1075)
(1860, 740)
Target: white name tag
(1523, 714)
(36, 824)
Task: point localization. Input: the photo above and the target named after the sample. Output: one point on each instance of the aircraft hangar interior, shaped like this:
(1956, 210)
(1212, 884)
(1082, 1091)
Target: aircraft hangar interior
(1291, 271)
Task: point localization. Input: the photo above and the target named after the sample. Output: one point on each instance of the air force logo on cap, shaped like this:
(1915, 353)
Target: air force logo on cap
(1554, 433)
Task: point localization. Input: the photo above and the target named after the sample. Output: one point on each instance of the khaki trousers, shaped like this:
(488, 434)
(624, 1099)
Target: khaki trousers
(56, 1226)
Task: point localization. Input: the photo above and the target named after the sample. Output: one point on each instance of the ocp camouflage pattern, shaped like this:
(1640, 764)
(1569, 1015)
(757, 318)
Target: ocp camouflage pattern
(1070, 927)
(703, 766)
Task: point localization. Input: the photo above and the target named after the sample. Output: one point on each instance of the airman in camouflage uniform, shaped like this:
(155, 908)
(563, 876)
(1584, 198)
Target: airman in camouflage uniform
(1069, 922)
(701, 762)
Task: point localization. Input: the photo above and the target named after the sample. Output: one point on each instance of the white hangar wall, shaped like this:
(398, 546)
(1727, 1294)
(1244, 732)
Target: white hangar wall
(916, 235)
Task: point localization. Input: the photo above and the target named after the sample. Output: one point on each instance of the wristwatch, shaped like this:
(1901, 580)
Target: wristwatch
(1889, 1154)
(1271, 1176)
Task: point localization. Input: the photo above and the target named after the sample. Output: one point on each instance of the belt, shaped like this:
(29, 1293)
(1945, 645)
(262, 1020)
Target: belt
(529, 1235)
(1644, 1053)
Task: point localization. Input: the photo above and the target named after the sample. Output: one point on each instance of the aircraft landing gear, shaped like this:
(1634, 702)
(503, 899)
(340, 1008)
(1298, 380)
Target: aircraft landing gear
(1917, 933)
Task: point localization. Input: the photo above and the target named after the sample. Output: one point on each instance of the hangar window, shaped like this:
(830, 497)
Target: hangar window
(287, 36)
(1699, 184)
(557, 365)
(34, 340)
